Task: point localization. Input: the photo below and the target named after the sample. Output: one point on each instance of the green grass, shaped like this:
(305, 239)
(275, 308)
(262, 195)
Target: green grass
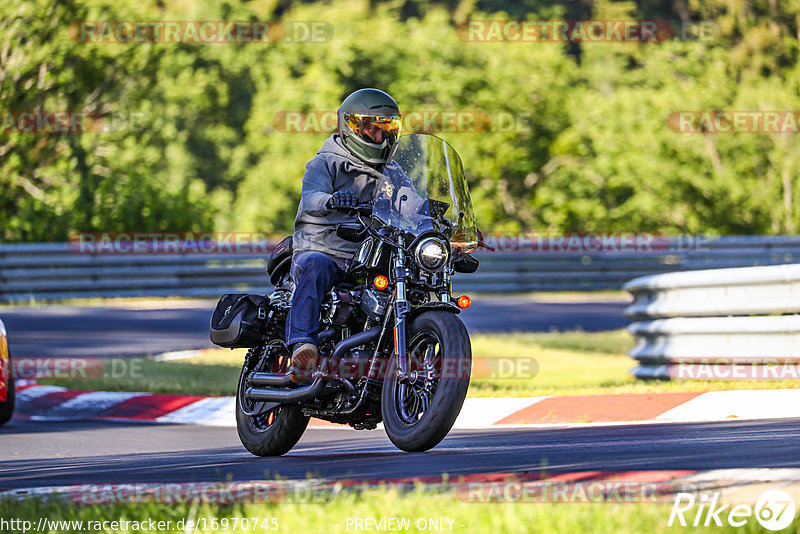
(569, 363)
(583, 363)
(330, 516)
(214, 373)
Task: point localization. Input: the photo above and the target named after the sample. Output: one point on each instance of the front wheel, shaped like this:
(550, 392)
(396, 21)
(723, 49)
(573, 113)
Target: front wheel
(268, 429)
(419, 412)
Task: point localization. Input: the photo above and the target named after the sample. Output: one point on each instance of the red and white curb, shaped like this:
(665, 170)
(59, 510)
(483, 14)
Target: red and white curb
(52, 403)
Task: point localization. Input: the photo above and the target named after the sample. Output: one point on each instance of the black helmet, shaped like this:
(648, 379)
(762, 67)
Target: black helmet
(369, 125)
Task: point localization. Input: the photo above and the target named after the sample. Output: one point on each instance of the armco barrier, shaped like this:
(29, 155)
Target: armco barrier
(718, 320)
(53, 271)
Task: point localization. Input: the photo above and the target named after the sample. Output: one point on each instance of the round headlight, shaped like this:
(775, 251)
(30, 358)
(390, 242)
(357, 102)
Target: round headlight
(431, 254)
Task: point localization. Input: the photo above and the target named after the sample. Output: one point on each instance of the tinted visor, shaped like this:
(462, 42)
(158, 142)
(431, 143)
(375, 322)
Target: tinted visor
(374, 128)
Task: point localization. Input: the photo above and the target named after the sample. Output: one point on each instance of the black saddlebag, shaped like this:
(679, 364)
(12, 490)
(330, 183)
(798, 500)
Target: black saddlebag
(239, 320)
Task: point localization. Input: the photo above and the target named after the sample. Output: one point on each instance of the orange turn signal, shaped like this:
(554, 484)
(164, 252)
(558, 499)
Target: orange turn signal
(381, 282)
(464, 302)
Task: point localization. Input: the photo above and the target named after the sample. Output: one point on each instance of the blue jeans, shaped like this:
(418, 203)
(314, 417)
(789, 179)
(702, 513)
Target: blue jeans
(314, 275)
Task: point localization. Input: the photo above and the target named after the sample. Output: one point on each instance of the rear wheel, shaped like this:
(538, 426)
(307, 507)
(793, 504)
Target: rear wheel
(268, 429)
(418, 413)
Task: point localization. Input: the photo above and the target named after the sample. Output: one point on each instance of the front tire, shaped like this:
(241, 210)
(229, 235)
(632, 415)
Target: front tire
(418, 415)
(274, 431)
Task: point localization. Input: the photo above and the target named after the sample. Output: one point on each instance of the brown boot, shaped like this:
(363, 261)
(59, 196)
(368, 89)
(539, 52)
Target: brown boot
(304, 362)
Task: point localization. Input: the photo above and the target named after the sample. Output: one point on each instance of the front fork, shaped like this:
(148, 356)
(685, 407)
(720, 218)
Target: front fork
(401, 308)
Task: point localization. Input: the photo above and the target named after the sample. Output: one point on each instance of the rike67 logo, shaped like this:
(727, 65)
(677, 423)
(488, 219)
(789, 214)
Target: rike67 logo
(774, 510)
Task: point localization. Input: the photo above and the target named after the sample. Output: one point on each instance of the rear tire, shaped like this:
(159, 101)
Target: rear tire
(414, 425)
(273, 432)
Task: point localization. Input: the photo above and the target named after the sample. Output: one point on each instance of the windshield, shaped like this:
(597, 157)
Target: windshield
(424, 189)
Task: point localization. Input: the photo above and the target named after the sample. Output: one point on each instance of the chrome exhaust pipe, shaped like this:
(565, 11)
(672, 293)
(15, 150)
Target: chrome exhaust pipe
(280, 380)
(355, 340)
(276, 382)
(286, 396)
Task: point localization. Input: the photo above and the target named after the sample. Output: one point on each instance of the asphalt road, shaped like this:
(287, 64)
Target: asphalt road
(46, 454)
(65, 331)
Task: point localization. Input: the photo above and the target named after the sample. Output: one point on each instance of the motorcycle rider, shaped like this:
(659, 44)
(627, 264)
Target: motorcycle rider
(343, 174)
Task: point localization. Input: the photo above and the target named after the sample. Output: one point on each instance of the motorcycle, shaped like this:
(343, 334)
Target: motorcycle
(392, 348)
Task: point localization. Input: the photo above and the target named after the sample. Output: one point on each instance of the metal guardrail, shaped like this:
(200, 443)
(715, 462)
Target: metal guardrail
(54, 271)
(712, 323)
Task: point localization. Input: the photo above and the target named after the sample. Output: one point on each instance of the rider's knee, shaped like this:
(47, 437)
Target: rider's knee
(315, 261)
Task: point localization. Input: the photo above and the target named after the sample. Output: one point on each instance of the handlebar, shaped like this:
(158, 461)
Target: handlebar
(364, 209)
(361, 209)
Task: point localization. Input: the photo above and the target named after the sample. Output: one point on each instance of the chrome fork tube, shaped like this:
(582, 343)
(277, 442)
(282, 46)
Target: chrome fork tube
(401, 275)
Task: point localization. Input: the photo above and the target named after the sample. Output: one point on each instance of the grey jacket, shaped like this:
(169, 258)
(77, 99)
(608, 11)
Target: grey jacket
(332, 169)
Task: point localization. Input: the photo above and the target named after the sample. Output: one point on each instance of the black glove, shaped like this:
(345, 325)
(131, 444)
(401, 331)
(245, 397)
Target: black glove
(342, 200)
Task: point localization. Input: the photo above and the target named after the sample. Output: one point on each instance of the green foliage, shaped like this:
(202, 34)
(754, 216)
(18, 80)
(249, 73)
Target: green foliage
(583, 143)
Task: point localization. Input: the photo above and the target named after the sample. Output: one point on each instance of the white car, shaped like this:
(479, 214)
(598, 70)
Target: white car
(6, 378)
